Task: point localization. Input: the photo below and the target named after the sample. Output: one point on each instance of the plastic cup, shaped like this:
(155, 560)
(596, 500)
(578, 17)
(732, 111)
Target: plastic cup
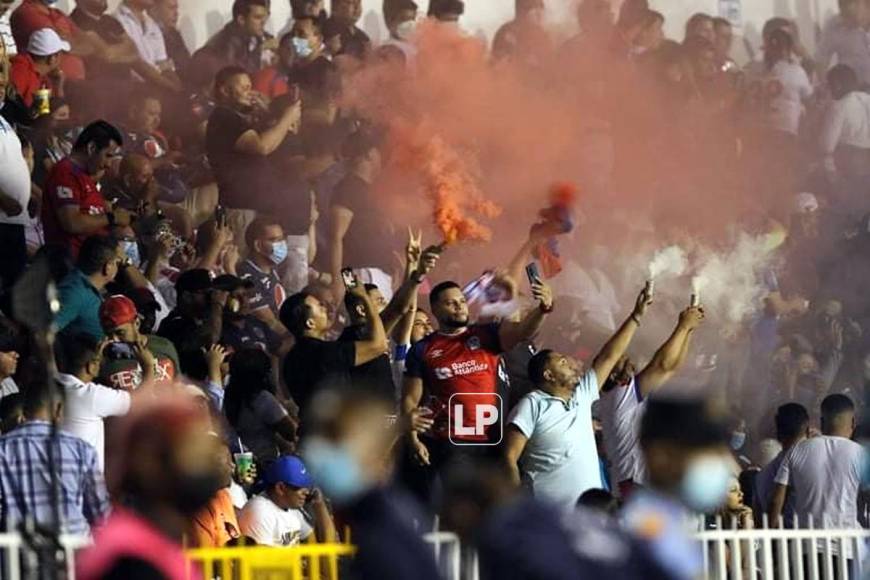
(244, 461)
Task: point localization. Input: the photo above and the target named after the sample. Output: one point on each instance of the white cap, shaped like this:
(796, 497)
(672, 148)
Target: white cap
(46, 42)
(805, 202)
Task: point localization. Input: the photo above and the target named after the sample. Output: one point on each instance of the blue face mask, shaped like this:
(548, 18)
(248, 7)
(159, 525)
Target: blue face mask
(302, 46)
(334, 470)
(738, 440)
(705, 484)
(279, 252)
(131, 250)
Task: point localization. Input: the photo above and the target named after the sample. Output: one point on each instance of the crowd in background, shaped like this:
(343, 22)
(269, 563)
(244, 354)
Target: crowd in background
(250, 350)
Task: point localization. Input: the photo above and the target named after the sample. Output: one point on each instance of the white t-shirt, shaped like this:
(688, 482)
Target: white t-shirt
(560, 460)
(86, 405)
(824, 474)
(620, 409)
(269, 525)
(783, 89)
(8, 387)
(14, 175)
(847, 122)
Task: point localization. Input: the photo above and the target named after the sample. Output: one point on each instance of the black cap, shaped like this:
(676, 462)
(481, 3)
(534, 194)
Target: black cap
(687, 421)
(230, 283)
(194, 281)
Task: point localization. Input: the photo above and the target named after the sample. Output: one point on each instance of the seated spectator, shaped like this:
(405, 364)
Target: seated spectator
(14, 198)
(134, 189)
(90, 16)
(198, 315)
(154, 65)
(132, 357)
(87, 403)
(33, 15)
(81, 292)
(25, 471)
(239, 152)
(216, 524)
(823, 473)
(73, 207)
(253, 409)
(845, 134)
(276, 517)
(241, 43)
(345, 14)
(8, 359)
(53, 139)
(37, 67)
(267, 250)
(165, 13)
(277, 80)
(315, 363)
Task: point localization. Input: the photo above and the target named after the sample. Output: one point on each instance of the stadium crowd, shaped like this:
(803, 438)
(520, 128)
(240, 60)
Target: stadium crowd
(249, 350)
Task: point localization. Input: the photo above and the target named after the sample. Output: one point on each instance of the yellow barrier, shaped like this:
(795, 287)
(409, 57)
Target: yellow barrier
(303, 562)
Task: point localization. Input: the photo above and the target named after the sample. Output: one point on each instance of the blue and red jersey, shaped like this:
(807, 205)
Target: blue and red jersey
(69, 185)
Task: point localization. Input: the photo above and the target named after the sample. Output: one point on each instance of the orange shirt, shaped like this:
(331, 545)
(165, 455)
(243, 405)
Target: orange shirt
(215, 525)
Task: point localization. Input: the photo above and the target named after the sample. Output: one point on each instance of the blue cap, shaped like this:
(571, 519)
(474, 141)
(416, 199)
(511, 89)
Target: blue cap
(288, 469)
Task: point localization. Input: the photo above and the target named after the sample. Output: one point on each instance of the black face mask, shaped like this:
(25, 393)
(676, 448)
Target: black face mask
(193, 492)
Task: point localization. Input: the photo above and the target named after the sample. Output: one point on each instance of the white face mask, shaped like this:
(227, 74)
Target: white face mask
(406, 29)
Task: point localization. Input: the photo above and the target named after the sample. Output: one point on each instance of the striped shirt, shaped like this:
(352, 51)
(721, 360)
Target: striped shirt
(25, 480)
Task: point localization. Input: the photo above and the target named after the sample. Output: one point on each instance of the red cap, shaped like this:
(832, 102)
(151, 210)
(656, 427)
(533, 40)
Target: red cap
(117, 310)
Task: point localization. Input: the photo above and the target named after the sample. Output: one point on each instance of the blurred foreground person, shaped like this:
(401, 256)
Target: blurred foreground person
(169, 474)
(483, 507)
(688, 466)
(348, 454)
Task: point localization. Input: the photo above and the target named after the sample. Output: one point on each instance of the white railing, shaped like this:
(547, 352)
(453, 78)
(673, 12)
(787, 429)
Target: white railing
(784, 554)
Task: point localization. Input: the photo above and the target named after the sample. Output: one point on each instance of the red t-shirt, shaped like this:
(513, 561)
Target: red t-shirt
(69, 185)
(25, 78)
(464, 363)
(33, 15)
(271, 83)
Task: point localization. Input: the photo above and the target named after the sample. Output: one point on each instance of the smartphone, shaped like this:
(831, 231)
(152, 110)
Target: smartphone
(349, 278)
(533, 273)
(220, 216)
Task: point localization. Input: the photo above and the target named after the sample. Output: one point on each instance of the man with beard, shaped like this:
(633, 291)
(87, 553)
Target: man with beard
(198, 316)
(623, 398)
(459, 361)
(549, 441)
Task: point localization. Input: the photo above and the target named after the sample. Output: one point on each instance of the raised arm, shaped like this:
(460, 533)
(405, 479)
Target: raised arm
(266, 142)
(672, 354)
(340, 218)
(618, 343)
(400, 305)
(376, 342)
(511, 334)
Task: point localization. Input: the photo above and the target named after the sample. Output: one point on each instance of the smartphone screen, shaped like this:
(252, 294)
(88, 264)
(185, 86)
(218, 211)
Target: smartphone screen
(532, 273)
(349, 278)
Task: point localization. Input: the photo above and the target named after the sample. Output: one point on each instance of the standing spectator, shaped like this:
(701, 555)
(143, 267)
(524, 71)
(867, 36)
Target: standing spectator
(623, 398)
(198, 316)
(360, 235)
(37, 67)
(792, 427)
(549, 441)
(253, 409)
(267, 250)
(8, 360)
(277, 79)
(168, 473)
(786, 85)
(346, 13)
(400, 17)
(241, 329)
(165, 13)
(276, 517)
(845, 135)
(447, 11)
(155, 66)
(314, 362)
(88, 404)
(73, 207)
(133, 358)
(25, 471)
(723, 42)
(14, 196)
(824, 473)
(845, 37)
(523, 39)
(460, 358)
(316, 74)
(81, 292)
(6, 38)
(239, 151)
(700, 24)
(242, 42)
(689, 468)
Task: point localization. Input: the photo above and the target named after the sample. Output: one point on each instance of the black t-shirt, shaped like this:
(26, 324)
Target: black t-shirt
(182, 330)
(371, 238)
(315, 364)
(375, 375)
(317, 79)
(355, 42)
(238, 174)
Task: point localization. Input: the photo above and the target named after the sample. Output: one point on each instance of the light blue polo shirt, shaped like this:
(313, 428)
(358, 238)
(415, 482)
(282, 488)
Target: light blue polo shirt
(560, 460)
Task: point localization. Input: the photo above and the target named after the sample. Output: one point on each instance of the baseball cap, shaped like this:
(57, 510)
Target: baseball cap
(116, 311)
(229, 283)
(806, 202)
(46, 42)
(288, 469)
(194, 280)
